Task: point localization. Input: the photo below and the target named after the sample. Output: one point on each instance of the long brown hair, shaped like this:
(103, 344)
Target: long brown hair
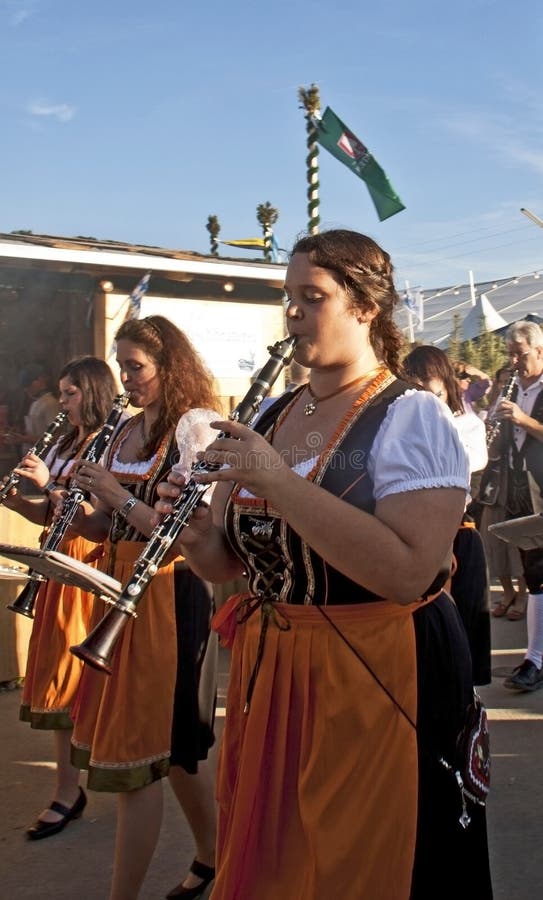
(95, 380)
(365, 271)
(186, 381)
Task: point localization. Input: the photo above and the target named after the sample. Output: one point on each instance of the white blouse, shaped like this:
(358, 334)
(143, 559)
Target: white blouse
(417, 446)
(58, 465)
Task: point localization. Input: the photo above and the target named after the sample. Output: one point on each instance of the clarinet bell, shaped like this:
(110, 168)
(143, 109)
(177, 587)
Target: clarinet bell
(25, 602)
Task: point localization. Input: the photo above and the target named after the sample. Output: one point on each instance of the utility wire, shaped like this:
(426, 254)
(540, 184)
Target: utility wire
(464, 233)
(439, 259)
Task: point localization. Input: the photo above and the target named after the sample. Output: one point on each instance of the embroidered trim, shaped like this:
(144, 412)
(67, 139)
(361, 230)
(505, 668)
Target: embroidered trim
(123, 765)
(242, 504)
(154, 463)
(375, 387)
(129, 765)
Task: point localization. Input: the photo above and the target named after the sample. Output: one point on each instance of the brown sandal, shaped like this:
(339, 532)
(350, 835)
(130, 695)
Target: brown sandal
(516, 613)
(503, 607)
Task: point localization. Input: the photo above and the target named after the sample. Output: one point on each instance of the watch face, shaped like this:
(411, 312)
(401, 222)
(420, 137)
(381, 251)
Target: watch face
(127, 506)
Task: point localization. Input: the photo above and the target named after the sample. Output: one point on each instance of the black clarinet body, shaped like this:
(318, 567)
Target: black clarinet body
(489, 488)
(39, 449)
(25, 602)
(495, 426)
(97, 649)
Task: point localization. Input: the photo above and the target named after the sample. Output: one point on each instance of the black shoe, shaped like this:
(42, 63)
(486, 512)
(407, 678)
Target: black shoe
(41, 829)
(206, 873)
(526, 677)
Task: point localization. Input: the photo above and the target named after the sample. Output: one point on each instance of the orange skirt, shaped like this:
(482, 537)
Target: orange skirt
(122, 729)
(318, 781)
(61, 618)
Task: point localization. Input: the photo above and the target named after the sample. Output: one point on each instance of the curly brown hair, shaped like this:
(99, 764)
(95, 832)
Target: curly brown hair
(365, 271)
(186, 381)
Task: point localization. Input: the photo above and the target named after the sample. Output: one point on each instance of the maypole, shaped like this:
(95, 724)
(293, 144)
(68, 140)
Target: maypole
(267, 216)
(310, 101)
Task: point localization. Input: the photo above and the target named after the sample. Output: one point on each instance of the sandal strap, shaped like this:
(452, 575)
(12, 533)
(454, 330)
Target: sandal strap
(201, 870)
(59, 808)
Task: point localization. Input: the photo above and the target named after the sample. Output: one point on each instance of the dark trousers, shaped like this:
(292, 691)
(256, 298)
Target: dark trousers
(519, 503)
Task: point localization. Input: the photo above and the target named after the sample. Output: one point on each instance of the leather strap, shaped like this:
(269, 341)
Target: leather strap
(201, 870)
(59, 808)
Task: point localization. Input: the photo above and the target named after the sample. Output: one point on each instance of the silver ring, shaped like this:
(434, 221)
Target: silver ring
(91, 479)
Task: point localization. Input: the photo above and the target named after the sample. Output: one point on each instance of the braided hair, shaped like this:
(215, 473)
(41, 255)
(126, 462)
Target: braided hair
(364, 270)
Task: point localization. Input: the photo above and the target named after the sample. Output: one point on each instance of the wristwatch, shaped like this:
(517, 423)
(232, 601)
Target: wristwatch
(128, 504)
(52, 486)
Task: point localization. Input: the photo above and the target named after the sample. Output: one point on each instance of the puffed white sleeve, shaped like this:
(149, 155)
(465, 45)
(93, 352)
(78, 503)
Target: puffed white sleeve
(417, 447)
(193, 433)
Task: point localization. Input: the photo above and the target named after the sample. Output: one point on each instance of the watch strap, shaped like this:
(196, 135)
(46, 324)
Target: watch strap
(128, 505)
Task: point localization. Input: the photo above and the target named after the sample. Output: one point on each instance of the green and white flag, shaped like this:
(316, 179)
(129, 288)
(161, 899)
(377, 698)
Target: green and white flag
(335, 137)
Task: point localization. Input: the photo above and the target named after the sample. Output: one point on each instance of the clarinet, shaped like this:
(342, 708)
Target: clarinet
(24, 604)
(97, 648)
(495, 426)
(39, 449)
(489, 488)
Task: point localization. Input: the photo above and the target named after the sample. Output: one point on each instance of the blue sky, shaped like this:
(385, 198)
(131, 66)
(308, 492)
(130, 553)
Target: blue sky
(134, 121)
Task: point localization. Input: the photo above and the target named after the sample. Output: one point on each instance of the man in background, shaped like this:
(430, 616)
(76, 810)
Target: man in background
(42, 409)
(523, 457)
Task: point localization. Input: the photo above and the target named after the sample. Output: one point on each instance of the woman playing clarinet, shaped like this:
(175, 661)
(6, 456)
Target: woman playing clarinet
(123, 724)
(62, 612)
(350, 672)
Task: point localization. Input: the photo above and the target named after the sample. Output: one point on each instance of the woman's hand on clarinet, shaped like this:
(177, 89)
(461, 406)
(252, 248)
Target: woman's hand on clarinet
(201, 520)
(97, 480)
(11, 500)
(33, 468)
(244, 456)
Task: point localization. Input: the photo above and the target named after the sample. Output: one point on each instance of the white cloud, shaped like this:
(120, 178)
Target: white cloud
(18, 11)
(19, 17)
(63, 112)
(513, 135)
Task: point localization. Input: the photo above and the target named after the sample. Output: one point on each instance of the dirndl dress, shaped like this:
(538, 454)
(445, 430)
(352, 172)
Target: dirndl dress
(341, 703)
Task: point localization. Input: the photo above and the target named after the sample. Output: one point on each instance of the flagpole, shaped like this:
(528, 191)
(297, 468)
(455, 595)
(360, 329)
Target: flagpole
(310, 100)
(134, 303)
(420, 295)
(410, 317)
(472, 289)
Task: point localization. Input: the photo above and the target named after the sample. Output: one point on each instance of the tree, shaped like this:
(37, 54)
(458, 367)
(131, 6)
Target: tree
(491, 351)
(214, 230)
(454, 350)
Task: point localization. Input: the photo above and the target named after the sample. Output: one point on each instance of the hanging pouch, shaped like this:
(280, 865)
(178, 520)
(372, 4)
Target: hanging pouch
(471, 767)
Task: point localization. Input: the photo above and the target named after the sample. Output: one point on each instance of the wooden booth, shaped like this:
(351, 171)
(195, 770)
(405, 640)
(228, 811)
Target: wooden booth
(65, 297)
